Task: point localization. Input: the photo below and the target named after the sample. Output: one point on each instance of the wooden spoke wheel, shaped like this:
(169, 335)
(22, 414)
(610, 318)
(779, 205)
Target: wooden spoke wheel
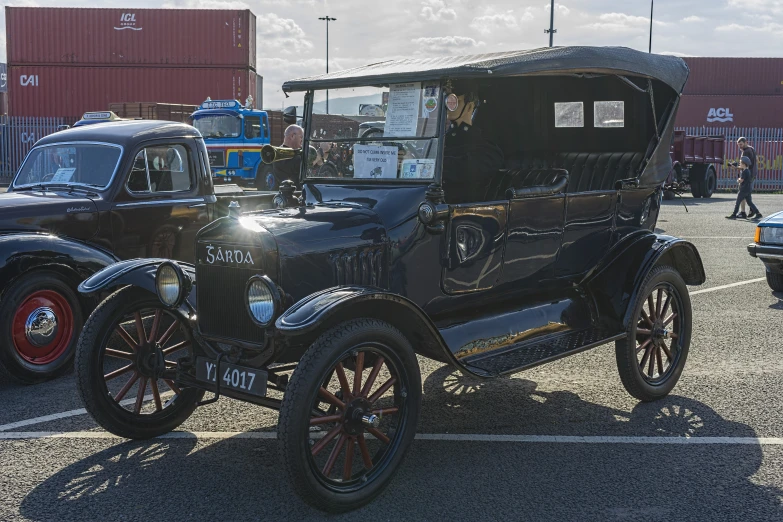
(126, 363)
(349, 414)
(651, 358)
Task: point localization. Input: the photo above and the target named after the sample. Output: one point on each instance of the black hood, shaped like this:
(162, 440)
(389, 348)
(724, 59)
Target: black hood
(60, 213)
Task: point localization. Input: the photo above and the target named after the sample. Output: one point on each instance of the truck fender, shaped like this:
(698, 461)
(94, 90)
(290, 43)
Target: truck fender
(134, 272)
(615, 285)
(303, 322)
(22, 252)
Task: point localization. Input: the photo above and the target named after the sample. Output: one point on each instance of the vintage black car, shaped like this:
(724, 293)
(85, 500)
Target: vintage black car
(85, 198)
(518, 230)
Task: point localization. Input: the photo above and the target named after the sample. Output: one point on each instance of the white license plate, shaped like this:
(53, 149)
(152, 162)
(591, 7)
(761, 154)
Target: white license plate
(239, 378)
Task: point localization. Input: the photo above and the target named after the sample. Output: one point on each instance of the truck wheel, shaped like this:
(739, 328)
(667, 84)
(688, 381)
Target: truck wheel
(775, 281)
(129, 346)
(349, 414)
(696, 189)
(708, 187)
(669, 195)
(263, 180)
(40, 321)
(651, 358)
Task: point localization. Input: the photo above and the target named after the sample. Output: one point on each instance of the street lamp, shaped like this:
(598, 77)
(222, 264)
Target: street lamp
(551, 29)
(328, 19)
(652, 4)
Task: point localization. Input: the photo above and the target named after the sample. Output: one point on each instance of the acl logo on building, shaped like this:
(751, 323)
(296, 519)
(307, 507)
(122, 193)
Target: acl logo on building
(722, 114)
(128, 21)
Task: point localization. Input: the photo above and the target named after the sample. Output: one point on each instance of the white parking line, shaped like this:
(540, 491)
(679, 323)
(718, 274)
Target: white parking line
(443, 437)
(722, 287)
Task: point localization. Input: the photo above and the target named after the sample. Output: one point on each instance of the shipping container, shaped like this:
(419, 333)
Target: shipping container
(154, 111)
(739, 111)
(72, 91)
(734, 76)
(150, 37)
(3, 103)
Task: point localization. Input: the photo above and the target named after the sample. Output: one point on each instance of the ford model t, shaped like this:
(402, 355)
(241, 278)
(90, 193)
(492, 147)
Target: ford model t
(503, 218)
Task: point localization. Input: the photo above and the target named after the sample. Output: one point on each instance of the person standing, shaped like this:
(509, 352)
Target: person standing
(750, 153)
(745, 182)
(289, 168)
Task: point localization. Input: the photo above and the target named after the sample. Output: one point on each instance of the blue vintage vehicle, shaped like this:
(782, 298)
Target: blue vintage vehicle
(234, 134)
(768, 246)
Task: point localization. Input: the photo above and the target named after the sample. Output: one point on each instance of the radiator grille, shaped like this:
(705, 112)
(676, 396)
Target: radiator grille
(220, 292)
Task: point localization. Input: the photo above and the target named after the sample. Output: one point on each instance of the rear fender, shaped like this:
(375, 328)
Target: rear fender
(615, 285)
(134, 272)
(301, 324)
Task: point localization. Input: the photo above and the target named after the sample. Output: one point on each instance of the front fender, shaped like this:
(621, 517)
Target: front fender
(134, 272)
(615, 285)
(302, 323)
(22, 252)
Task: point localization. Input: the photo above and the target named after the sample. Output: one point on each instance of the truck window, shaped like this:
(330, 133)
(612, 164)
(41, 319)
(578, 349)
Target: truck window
(252, 127)
(161, 168)
(265, 124)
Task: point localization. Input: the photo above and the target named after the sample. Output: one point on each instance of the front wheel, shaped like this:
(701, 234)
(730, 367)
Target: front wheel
(124, 362)
(708, 188)
(349, 414)
(651, 358)
(775, 281)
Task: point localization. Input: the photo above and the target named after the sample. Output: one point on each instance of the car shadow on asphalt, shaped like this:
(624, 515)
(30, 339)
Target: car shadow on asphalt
(241, 479)
(779, 304)
(693, 202)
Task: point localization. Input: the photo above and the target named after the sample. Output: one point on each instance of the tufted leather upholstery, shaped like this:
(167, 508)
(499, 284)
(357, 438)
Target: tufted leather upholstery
(588, 171)
(519, 179)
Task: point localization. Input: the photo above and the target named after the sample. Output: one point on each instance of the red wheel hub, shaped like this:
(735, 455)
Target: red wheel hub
(42, 327)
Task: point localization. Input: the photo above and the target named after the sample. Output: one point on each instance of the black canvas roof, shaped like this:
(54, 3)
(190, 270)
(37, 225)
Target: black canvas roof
(549, 60)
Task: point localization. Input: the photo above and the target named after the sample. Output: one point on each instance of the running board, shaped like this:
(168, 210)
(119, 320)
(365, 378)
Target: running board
(539, 351)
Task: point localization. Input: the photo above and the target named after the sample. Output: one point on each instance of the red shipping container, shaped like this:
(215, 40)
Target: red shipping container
(730, 111)
(151, 37)
(72, 91)
(757, 76)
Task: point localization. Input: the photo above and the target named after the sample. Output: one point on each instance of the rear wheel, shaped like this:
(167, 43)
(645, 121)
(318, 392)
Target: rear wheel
(124, 366)
(696, 188)
(40, 321)
(349, 414)
(775, 281)
(669, 195)
(708, 187)
(651, 358)
(265, 177)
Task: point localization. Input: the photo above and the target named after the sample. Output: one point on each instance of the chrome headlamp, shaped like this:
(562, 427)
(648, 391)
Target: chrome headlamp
(771, 235)
(172, 284)
(262, 300)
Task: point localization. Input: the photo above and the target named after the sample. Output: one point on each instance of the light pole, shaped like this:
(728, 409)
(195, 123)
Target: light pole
(551, 29)
(328, 19)
(652, 4)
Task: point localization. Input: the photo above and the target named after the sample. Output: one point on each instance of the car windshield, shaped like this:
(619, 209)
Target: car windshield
(219, 126)
(89, 164)
(388, 132)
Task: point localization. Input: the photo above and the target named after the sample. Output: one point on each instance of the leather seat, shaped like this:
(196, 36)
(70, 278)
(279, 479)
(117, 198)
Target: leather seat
(519, 179)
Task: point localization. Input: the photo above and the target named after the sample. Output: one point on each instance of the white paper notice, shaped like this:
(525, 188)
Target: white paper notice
(418, 169)
(374, 162)
(402, 115)
(63, 175)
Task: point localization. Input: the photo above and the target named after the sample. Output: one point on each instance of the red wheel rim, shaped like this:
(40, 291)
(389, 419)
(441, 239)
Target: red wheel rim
(52, 349)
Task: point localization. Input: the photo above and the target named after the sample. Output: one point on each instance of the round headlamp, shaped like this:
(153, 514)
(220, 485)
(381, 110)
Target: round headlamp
(262, 299)
(172, 284)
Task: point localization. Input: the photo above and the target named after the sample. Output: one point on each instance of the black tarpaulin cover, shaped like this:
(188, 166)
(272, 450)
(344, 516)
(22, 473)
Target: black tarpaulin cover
(555, 60)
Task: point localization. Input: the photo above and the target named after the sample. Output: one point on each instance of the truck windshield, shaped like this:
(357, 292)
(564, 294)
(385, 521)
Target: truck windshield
(371, 133)
(90, 164)
(219, 126)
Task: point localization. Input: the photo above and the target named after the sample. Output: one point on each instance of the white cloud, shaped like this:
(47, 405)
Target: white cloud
(446, 44)
(621, 22)
(488, 23)
(694, 18)
(437, 11)
(757, 6)
(281, 35)
(560, 9)
(771, 28)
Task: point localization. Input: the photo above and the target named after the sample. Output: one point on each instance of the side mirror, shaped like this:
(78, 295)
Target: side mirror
(289, 115)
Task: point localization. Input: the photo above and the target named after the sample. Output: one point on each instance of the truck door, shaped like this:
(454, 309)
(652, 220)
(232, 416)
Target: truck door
(159, 208)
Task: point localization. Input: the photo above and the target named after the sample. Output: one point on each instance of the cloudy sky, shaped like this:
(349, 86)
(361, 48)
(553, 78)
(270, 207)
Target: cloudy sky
(291, 39)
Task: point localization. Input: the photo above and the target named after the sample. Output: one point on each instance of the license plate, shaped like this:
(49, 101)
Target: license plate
(239, 378)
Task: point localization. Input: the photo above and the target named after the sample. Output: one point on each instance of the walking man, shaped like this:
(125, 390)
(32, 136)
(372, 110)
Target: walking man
(745, 190)
(749, 152)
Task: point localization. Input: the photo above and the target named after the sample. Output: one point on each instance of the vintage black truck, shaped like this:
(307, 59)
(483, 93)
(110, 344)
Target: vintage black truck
(502, 219)
(85, 198)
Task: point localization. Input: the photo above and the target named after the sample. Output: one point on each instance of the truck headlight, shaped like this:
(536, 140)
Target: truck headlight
(771, 235)
(172, 284)
(262, 299)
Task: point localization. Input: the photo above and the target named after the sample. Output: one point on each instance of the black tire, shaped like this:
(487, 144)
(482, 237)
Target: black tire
(775, 281)
(262, 171)
(708, 188)
(377, 343)
(669, 195)
(101, 330)
(642, 384)
(696, 189)
(19, 358)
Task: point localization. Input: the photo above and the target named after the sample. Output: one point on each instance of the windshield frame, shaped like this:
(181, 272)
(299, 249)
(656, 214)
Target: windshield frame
(222, 114)
(439, 136)
(60, 183)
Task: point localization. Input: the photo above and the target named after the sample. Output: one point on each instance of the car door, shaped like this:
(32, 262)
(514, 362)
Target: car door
(160, 208)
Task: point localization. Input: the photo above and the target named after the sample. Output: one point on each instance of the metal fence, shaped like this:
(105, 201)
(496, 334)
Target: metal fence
(17, 137)
(769, 153)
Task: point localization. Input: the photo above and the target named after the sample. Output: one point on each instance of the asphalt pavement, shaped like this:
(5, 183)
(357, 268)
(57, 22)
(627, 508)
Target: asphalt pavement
(561, 442)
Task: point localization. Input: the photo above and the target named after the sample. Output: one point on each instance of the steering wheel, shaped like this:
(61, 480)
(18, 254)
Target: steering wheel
(47, 177)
